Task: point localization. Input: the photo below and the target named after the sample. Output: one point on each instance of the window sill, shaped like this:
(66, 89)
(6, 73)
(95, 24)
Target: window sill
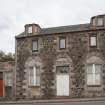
(100, 25)
(93, 85)
(34, 86)
(95, 46)
(34, 50)
(62, 48)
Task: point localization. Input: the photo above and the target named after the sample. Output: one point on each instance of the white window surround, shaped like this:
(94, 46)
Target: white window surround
(34, 77)
(94, 74)
(93, 40)
(99, 21)
(30, 29)
(35, 45)
(62, 43)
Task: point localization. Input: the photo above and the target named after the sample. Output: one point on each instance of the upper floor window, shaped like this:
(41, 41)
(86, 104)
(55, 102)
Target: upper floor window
(93, 40)
(94, 74)
(35, 45)
(93, 22)
(62, 42)
(8, 79)
(30, 29)
(34, 76)
(99, 21)
(36, 29)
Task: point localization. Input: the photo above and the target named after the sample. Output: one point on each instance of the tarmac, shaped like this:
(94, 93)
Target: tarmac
(53, 100)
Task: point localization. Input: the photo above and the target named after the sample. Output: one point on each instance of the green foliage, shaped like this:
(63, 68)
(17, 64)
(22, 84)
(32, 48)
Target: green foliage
(6, 57)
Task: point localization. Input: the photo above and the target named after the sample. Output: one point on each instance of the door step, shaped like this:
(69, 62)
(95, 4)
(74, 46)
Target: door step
(63, 97)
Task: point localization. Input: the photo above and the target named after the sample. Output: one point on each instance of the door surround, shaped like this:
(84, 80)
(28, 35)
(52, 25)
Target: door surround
(62, 81)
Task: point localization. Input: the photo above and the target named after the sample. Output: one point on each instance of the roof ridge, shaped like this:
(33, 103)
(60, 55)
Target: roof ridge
(65, 26)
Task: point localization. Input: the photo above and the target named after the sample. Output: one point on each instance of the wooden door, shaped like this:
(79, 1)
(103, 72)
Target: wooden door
(1, 84)
(62, 85)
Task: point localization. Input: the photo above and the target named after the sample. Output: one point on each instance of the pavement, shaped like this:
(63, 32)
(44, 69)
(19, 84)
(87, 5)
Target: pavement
(55, 101)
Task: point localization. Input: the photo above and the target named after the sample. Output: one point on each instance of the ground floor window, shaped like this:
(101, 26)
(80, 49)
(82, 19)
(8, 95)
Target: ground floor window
(8, 79)
(34, 76)
(94, 74)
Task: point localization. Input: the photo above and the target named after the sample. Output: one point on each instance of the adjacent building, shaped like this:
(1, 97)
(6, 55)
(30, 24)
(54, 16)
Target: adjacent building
(7, 79)
(61, 62)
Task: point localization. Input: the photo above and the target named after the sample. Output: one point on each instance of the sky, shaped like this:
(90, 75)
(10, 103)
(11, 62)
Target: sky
(14, 14)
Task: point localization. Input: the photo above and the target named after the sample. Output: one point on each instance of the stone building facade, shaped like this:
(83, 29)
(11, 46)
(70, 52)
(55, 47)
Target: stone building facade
(65, 61)
(7, 79)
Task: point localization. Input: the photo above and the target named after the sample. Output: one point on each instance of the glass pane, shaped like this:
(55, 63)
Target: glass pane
(30, 29)
(89, 69)
(31, 73)
(97, 79)
(38, 72)
(62, 43)
(89, 79)
(31, 81)
(38, 80)
(31, 77)
(35, 45)
(36, 29)
(93, 40)
(34, 77)
(8, 79)
(62, 69)
(97, 69)
(35, 71)
(99, 21)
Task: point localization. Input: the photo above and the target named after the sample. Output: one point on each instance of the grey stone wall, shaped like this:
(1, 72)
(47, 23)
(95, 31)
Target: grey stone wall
(7, 67)
(76, 55)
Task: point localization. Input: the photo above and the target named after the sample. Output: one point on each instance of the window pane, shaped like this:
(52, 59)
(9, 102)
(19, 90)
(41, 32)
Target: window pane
(30, 29)
(97, 69)
(31, 81)
(34, 77)
(36, 29)
(94, 74)
(35, 45)
(38, 80)
(62, 42)
(31, 77)
(97, 79)
(89, 69)
(8, 79)
(89, 79)
(99, 21)
(93, 41)
(38, 77)
(62, 69)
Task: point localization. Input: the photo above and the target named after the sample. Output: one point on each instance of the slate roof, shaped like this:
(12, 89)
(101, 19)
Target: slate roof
(61, 29)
